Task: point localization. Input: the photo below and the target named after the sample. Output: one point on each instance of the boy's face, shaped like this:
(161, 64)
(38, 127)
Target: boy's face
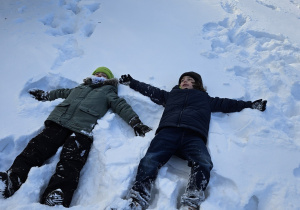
(100, 74)
(187, 82)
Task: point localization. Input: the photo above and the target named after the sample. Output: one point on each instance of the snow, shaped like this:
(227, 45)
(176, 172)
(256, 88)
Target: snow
(243, 49)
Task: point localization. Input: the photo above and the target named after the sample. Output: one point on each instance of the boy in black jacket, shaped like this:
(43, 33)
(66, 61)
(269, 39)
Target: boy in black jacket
(182, 131)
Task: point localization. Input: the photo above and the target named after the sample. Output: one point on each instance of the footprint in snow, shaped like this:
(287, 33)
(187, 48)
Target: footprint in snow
(71, 18)
(66, 51)
(270, 6)
(296, 172)
(295, 91)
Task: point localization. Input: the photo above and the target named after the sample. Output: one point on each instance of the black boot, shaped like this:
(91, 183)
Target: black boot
(134, 205)
(55, 198)
(8, 185)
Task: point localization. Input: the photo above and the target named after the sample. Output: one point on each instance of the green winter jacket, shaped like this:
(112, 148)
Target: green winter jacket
(85, 104)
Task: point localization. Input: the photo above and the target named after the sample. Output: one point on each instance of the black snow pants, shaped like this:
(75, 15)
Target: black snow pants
(73, 156)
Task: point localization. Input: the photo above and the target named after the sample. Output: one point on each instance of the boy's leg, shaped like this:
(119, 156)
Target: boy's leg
(195, 151)
(162, 147)
(37, 151)
(73, 157)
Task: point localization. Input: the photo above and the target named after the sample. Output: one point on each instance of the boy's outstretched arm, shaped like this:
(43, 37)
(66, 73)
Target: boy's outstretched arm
(231, 105)
(41, 95)
(157, 95)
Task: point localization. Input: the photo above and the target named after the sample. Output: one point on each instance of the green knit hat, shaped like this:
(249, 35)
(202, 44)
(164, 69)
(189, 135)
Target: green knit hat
(104, 70)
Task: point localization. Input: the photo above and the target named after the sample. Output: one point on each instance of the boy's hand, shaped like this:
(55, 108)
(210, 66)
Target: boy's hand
(39, 95)
(125, 79)
(259, 104)
(139, 128)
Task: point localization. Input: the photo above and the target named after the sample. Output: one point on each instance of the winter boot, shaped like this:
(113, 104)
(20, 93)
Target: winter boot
(188, 208)
(134, 205)
(8, 185)
(55, 198)
(192, 199)
(3, 184)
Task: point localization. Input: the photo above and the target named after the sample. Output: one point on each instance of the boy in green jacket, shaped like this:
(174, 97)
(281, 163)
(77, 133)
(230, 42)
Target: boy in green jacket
(70, 124)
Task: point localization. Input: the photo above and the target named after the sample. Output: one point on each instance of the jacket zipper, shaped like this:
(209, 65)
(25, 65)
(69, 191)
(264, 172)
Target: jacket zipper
(185, 101)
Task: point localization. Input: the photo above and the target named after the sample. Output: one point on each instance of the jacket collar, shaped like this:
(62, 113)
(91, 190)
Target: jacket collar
(88, 81)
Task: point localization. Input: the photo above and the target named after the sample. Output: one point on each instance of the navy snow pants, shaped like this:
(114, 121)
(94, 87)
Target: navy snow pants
(184, 143)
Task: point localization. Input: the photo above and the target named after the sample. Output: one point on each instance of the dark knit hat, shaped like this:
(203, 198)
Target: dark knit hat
(192, 74)
(104, 70)
(198, 80)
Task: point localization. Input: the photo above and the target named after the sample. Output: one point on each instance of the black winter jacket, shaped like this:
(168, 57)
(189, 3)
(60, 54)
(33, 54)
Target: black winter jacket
(188, 108)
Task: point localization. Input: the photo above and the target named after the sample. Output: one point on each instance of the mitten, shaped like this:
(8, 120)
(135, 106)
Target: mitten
(139, 128)
(125, 79)
(259, 104)
(39, 95)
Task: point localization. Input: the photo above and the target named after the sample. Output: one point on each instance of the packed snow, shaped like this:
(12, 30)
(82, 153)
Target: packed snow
(243, 49)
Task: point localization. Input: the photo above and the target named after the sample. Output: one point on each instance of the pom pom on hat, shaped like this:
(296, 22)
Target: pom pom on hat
(104, 70)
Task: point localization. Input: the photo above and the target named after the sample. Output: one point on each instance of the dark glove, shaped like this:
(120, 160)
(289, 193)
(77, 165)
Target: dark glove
(87, 81)
(139, 128)
(125, 79)
(39, 95)
(259, 104)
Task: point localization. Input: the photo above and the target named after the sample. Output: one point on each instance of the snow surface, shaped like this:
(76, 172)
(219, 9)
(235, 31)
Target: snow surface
(243, 49)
